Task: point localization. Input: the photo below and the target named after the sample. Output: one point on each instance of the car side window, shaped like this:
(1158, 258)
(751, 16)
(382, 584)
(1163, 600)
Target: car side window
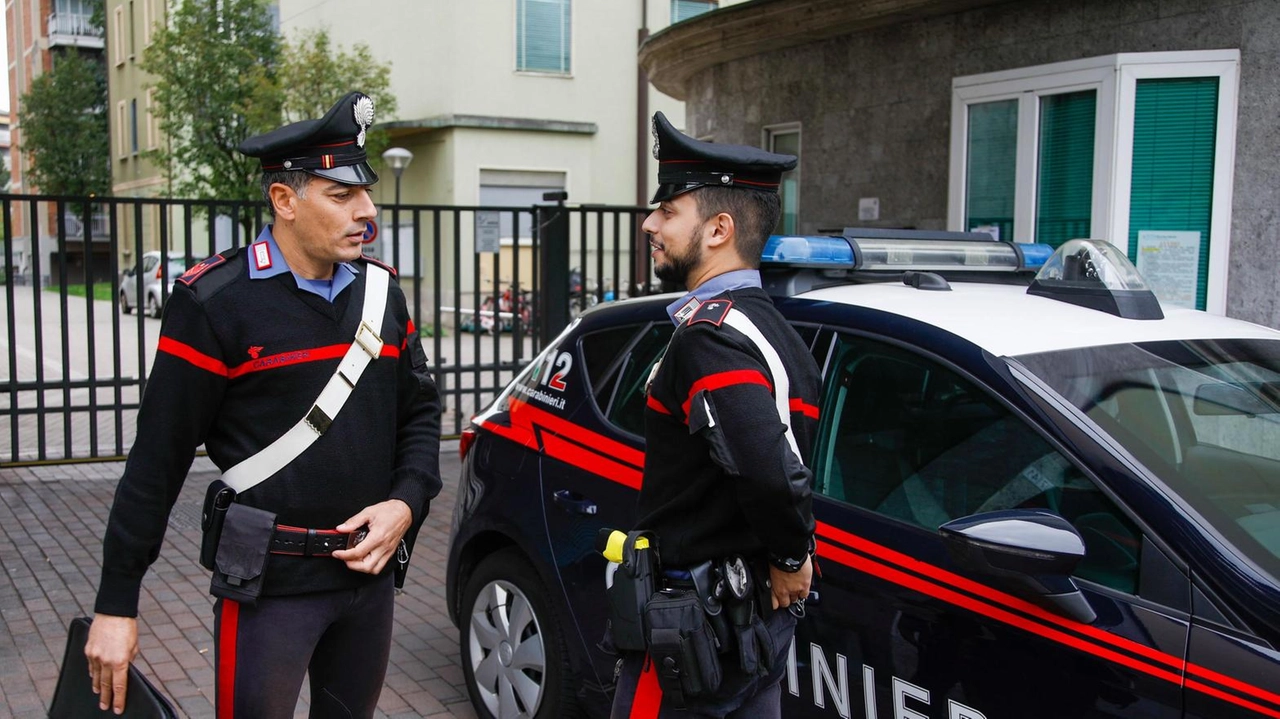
(908, 438)
(622, 359)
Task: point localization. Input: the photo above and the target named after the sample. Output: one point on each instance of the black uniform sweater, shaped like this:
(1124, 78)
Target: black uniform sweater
(239, 362)
(720, 476)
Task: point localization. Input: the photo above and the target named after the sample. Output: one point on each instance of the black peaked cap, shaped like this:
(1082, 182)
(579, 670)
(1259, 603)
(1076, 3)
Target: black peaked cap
(331, 147)
(686, 164)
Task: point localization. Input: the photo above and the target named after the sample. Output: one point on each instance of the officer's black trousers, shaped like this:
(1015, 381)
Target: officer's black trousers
(342, 639)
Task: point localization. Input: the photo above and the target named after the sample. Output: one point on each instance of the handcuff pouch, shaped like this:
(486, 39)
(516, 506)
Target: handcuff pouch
(217, 499)
(241, 560)
(682, 646)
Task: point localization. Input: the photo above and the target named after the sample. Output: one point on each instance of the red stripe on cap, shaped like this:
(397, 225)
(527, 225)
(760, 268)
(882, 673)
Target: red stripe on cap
(720, 380)
(227, 631)
(186, 352)
(739, 181)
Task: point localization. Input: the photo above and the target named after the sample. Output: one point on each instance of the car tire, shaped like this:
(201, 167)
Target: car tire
(124, 304)
(514, 657)
(153, 306)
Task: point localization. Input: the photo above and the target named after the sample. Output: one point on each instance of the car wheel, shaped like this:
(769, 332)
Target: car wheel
(153, 306)
(124, 303)
(513, 651)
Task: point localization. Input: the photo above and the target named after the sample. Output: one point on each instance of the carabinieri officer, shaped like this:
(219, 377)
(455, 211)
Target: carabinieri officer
(731, 412)
(296, 364)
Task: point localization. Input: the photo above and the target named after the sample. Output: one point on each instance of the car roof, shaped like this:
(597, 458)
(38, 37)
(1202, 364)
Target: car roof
(1006, 321)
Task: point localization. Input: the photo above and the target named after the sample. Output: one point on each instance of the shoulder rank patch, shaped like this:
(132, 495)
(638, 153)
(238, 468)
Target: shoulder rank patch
(712, 311)
(380, 263)
(197, 270)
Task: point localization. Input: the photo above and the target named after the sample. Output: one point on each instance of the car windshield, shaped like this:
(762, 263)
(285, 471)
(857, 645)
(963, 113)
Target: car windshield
(1203, 415)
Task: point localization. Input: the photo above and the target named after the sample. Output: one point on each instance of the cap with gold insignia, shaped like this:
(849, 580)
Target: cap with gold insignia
(686, 164)
(331, 147)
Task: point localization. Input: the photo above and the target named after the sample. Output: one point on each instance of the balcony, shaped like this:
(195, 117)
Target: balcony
(74, 30)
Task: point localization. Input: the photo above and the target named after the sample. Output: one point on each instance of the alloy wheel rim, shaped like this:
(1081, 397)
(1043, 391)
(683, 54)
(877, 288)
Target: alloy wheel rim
(507, 654)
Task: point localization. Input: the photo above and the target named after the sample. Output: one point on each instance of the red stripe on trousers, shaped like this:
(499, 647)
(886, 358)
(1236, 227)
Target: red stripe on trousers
(228, 629)
(648, 699)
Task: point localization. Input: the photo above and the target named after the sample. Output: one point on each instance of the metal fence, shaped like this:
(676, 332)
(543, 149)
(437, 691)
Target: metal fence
(486, 286)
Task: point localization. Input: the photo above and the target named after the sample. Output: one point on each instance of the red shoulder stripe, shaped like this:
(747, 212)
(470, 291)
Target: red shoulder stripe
(803, 407)
(656, 406)
(192, 355)
(720, 380)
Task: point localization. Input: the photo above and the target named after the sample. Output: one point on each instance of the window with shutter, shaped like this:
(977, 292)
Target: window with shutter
(543, 35)
(1064, 188)
(992, 170)
(685, 9)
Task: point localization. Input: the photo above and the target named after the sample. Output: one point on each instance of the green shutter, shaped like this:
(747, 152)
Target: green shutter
(1175, 123)
(1064, 187)
(685, 9)
(543, 35)
(992, 166)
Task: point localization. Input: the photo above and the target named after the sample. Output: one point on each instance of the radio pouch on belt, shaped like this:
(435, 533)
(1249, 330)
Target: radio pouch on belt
(241, 560)
(682, 646)
(633, 585)
(217, 499)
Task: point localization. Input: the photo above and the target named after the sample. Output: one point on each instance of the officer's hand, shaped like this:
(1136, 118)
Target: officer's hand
(387, 522)
(790, 587)
(112, 645)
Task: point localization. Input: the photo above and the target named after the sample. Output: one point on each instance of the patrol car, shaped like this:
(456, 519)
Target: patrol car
(1038, 492)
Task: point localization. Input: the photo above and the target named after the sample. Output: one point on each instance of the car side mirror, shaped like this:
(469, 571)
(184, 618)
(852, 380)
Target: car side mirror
(1030, 553)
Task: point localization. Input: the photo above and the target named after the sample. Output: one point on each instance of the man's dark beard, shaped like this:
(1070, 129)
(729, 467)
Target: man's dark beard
(678, 267)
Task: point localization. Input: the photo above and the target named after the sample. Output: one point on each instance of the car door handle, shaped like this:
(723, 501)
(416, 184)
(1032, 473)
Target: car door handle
(574, 502)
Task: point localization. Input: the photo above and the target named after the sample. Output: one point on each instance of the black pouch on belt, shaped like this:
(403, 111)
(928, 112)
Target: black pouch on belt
(217, 499)
(241, 561)
(633, 585)
(682, 645)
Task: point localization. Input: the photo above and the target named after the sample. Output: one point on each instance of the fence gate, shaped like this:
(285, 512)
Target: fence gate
(83, 277)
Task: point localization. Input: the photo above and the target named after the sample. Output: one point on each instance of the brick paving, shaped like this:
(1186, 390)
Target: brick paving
(51, 524)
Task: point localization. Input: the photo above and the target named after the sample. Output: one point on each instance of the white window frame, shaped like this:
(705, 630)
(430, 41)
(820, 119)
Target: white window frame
(151, 118)
(122, 139)
(147, 21)
(515, 43)
(767, 135)
(1114, 77)
(118, 35)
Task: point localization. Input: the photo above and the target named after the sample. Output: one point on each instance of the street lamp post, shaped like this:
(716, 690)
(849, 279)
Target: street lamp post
(397, 158)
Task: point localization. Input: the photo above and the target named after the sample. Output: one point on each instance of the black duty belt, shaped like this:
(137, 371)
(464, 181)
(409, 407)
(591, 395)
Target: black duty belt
(304, 542)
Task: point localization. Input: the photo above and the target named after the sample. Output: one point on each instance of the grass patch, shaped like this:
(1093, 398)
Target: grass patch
(101, 291)
(432, 331)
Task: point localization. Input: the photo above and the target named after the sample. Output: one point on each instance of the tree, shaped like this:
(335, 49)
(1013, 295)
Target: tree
(64, 127)
(215, 67)
(314, 75)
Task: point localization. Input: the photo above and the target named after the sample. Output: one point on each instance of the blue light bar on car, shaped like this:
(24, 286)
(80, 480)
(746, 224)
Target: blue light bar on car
(902, 254)
(819, 251)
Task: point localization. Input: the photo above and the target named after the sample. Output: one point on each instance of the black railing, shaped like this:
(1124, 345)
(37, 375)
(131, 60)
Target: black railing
(77, 365)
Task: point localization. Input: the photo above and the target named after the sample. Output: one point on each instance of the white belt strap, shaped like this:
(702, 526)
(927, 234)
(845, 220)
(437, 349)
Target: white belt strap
(366, 347)
(781, 383)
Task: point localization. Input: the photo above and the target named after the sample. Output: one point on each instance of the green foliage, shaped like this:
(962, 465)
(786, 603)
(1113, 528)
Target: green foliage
(222, 76)
(64, 127)
(215, 66)
(314, 75)
(101, 290)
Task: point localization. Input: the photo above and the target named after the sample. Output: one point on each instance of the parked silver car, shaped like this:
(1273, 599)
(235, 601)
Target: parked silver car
(152, 278)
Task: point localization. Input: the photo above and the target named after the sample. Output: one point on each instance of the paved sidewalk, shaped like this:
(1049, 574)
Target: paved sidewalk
(51, 524)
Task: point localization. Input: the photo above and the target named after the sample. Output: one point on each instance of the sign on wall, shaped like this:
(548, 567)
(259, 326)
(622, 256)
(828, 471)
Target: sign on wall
(1170, 262)
(488, 231)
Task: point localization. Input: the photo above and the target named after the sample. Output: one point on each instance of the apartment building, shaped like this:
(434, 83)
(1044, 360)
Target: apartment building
(37, 31)
(131, 24)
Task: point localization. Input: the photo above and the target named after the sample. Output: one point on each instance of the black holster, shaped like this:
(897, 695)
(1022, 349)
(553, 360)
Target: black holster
(239, 567)
(633, 584)
(217, 499)
(682, 646)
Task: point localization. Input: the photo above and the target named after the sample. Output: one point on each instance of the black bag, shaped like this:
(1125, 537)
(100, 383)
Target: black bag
(217, 499)
(682, 646)
(633, 585)
(241, 561)
(74, 697)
